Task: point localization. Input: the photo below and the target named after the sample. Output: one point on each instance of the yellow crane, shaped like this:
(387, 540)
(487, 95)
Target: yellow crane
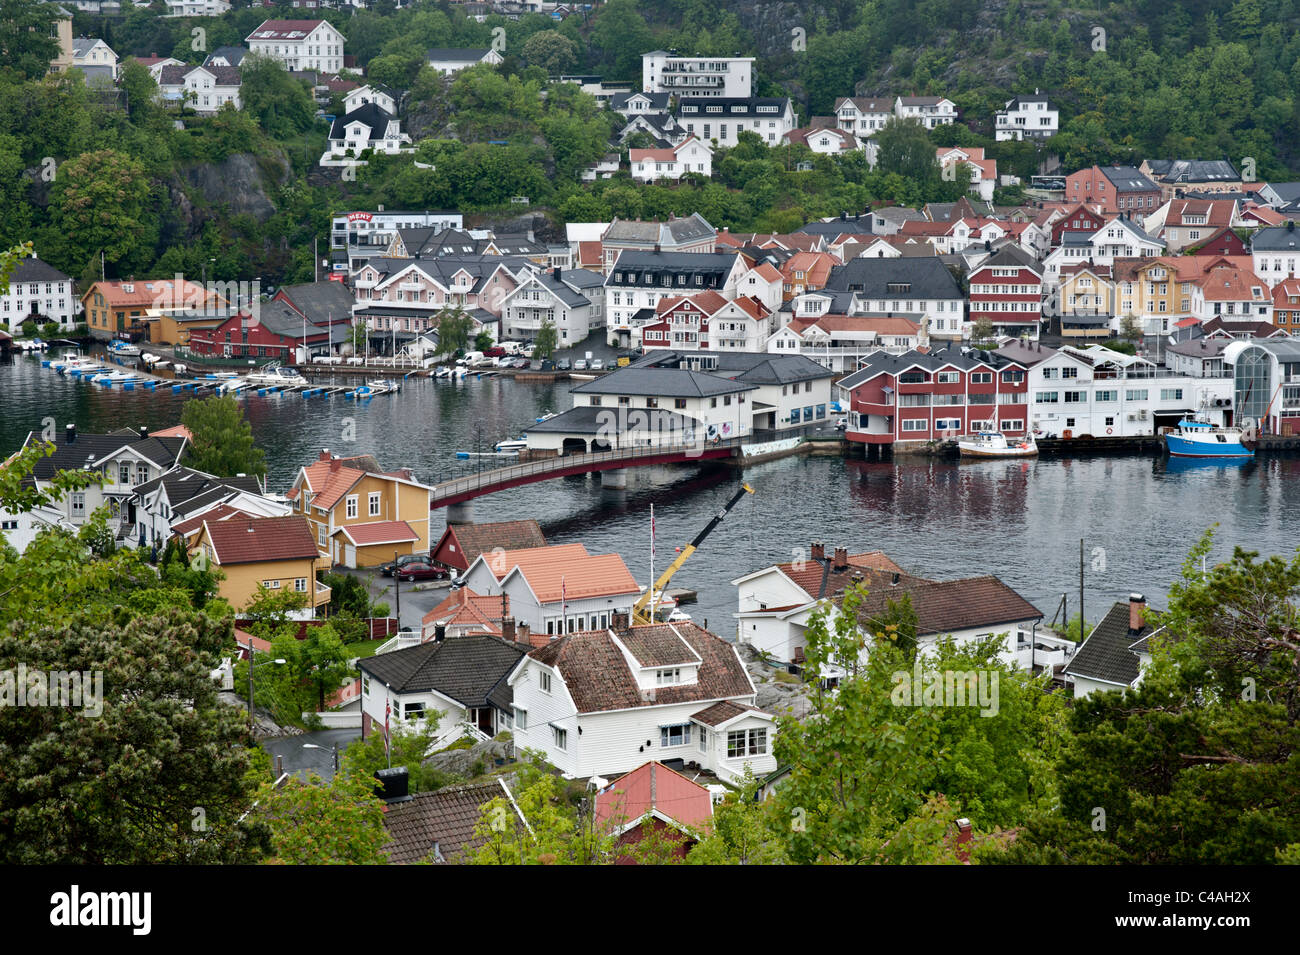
(640, 612)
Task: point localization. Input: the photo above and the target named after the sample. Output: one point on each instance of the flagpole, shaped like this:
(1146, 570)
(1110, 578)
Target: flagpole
(564, 609)
(652, 564)
(388, 749)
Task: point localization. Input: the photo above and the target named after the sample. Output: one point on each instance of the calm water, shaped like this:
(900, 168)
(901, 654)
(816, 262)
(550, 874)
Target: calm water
(1019, 520)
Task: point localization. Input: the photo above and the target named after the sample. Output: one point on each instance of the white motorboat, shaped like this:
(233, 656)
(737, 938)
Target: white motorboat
(275, 374)
(115, 378)
(120, 348)
(508, 447)
(995, 444)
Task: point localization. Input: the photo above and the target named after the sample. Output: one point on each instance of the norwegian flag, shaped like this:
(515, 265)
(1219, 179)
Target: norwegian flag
(388, 710)
(564, 607)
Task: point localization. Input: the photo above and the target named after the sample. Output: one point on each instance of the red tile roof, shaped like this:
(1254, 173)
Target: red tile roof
(719, 713)
(194, 524)
(464, 608)
(379, 532)
(808, 575)
(460, 544)
(245, 540)
(652, 788)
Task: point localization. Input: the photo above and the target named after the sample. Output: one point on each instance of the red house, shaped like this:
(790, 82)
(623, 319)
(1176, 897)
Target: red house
(1223, 242)
(939, 395)
(1078, 219)
(274, 331)
(654, 797)
(1007, 289)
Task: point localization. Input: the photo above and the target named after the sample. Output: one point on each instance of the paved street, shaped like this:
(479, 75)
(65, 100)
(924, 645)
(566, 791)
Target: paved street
(414, 603)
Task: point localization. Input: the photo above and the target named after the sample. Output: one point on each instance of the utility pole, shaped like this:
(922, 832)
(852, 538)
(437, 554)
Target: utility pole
(1081, 623)
(397, 590)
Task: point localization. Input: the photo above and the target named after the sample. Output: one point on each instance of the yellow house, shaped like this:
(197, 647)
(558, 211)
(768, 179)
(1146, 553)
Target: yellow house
(63, 33)
(125, 307)
(1087, 301)
(359, 515)
(263, 553)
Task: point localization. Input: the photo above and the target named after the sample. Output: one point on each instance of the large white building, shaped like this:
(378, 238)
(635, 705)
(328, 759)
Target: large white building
(299, 44)
(368, 127)
(37, 290)
(673, 162)
(696, 76)
(197, 8)
(573, 300)
(204, 88)
(360, 234)
(1027, 117)
(722, 120)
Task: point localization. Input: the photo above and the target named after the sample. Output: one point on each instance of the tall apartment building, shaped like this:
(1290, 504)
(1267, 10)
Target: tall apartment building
(666, 72)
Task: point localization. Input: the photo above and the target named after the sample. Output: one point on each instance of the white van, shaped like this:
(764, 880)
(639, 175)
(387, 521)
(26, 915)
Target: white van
(511, 348)
(470, 359)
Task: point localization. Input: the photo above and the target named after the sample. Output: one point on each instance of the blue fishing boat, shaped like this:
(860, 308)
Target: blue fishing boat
(1196, 437)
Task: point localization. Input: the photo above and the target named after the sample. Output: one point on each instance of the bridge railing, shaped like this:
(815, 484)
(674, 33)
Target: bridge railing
(565, 462)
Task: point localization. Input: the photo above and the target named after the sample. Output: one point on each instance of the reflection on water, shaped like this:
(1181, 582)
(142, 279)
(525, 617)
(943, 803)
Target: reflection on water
(1021, 519)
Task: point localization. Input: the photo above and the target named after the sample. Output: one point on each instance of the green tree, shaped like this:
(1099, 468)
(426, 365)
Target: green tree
(279, 102)
(982, 330)
(27, 43)
(453, 331)
(483, 340)
(552, 51)
(555, 833)
(1130, 328)
(906, 149)
(223, 439)
(98, 205)
(547, 340)
(335, 823)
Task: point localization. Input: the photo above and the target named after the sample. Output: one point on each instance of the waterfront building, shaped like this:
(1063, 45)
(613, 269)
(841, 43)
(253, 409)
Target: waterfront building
(39, 292)
(573, 300)
(1266, 383)
(119, 308)
(707, 321)
(841, 342)
(603, 701)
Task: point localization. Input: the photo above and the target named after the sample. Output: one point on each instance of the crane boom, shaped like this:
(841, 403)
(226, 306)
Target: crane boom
(639, 612)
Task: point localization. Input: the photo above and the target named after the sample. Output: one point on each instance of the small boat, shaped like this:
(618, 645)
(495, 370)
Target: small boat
(275, 374)
(115, 378)
(547, 416)
(442, 371)
(1196, 437)
(121, 348)
(994, 444)
(179, 369)
(510, 447)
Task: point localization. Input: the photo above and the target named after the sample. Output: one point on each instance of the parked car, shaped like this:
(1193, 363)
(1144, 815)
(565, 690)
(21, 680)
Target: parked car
(496, 351)
(563, 365)
(422, 569)
(597, 364)
(580, 365)
(387, 569)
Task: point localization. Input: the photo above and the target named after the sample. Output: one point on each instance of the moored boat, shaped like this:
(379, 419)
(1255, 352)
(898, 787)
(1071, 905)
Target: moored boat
(1196, 437)
(995, 444)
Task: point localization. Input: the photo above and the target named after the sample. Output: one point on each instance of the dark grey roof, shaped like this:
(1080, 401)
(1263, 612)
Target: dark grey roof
(1017, 100)
(184, 484)
(1128, 179)
(754, 368)
(1201, 347)
(700, 270)
(657, 100)
(466, 669)
(661, 382)
(561, 290)
(321, 302)
(581, 278)
(925, 277)
(1012, 256)
(1275, 239)
(840, 300)
(1192, 170)
(234, 55)
(1105, 656)
(438, 826)
(585, 419)
(375, 117)
(747, 106)
(686, 229)
(34, 270)
(279, 319)
(1288, 192)
(951, 356)
(1085, 321)
(88, 450)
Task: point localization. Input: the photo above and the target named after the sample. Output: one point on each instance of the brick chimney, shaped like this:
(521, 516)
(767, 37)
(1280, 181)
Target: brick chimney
(508, 629)
(324, 454)
(841, 558)
(335, 464)
(1137, 605)
(818, 551)
(521, 632)
(964, 840)
(619, 620)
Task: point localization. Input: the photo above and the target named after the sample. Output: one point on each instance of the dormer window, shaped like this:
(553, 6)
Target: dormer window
(668, 677)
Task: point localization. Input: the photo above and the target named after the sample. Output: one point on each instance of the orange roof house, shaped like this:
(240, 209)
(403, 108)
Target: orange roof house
(656, 798)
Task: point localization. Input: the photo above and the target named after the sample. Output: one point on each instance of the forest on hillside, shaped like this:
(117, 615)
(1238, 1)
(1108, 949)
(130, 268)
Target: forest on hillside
(108, 180)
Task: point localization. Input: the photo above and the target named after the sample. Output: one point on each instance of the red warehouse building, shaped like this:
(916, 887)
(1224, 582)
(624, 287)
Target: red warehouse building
(940, 395)
(276, 331)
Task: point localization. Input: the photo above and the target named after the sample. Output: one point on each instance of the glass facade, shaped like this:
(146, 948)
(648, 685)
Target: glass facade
(1252, 388)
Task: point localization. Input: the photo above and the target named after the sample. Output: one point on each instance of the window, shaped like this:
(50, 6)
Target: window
(1171, 394)
(352, 505)
(1075, 397)
(544, 681)
(668, 677)
(746, 743)
(413, 711)
(1069, 373)
(271, 584)
(704, 740)
(124, 474)
(78, 505)
(1011, 377)
(915, 424)
(676, 735)
(981, 377)
(374, 503)
(1135, 394)
(1106, 395)
(561, 737)
(1013, 424)
(947, 377)
(300, 584)
(521, 718)
(1046, 398)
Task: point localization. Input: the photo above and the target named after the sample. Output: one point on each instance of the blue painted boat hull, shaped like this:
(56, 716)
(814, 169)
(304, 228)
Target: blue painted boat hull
(1181, 447)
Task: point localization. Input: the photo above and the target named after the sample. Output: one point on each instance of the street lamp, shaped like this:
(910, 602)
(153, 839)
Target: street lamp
(317, 746)
(251, 665)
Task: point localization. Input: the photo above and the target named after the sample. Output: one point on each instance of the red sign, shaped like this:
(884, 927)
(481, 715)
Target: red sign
(354, 216)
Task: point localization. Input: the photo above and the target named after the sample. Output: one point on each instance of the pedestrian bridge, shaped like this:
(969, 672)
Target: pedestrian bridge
(462, 489)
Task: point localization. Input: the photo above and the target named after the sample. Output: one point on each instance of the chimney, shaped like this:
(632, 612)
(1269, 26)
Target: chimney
(335, 464)
(324, 454)
(144, 432)
(818, 551)
(619, 620)
(1136, 607)
(521, 632)
(557, 272)
(508, 629)
(841, 558)
(393, 785)
(439, 633)
(963, 840)
(70, 434)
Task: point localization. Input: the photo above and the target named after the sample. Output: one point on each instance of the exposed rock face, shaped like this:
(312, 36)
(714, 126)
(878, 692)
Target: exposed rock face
(460, 762)
(772, 694)
(240, 183)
